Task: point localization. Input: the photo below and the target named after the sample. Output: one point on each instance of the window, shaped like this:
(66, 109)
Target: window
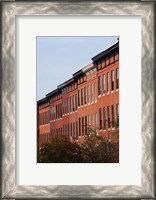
(104, 118)
(73, 97)
(117, 114)
(93, 123)
(67, 106)
(88, 93)
(51, 113)
(63, 107)
(89, 124)
(103, 83)
(85, 95)
(100, 118)
(56, 111)
(63, 129)
(59, 110)
(75, 101)
(99, 85)
(108, 83)
(96, 118)
(95, 97)
(58, 116)
(81, 96)
(82, 125)
(78, 98)
(85, 125)
(117, 78)
(79, 126)
(71, 130)
(66, 129)
(112, 79)
(92, 92)
(108, 116)
(71, 104)
(113, 116)
(76, 130)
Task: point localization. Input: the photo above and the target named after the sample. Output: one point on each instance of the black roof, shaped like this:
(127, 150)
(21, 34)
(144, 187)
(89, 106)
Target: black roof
(41, 101)
(52, 93)
(106, 52)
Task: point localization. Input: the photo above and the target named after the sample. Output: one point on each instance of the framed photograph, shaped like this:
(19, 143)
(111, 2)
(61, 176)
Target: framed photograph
(77, 100)
(78, 121)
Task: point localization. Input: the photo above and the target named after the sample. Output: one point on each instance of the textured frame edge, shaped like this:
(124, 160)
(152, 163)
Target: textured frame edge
(9, 11)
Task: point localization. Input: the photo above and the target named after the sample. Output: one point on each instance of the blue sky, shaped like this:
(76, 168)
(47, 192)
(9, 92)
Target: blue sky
(59, 57)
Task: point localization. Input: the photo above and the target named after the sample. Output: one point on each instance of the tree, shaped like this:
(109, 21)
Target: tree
(93, 149)
(60, 150)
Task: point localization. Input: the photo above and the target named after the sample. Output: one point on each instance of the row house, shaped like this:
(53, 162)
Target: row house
(86, 103)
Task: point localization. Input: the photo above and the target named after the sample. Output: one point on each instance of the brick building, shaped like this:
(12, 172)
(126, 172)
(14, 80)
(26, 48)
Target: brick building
(88, 102)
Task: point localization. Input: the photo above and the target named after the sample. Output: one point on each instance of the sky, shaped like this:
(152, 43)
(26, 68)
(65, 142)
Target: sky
(60, 57)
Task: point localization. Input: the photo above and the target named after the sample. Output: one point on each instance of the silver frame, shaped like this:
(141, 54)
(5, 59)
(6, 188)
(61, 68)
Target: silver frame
(9, 11)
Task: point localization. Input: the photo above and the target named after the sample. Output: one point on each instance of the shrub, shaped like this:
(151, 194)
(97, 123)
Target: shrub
(60, 150)
(94, 149)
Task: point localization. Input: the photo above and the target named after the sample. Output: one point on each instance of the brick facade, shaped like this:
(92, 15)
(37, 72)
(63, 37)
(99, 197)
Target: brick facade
(88, 102)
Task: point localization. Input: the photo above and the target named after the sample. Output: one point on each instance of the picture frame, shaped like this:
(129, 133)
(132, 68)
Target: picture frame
(9, 189)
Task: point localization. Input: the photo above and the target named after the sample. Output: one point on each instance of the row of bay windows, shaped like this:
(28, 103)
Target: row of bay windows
(106, 82)
(103, 120)
(109, 117)
(87, 95)
(44, 118)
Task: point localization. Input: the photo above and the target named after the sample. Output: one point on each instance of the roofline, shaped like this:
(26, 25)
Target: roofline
(78, 73)
(52, 93)
(42, 101)
(88, 67)
(105, 52)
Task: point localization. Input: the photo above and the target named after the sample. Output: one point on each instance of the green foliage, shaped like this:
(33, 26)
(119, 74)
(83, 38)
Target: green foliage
(60, 150)
(94, 149)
